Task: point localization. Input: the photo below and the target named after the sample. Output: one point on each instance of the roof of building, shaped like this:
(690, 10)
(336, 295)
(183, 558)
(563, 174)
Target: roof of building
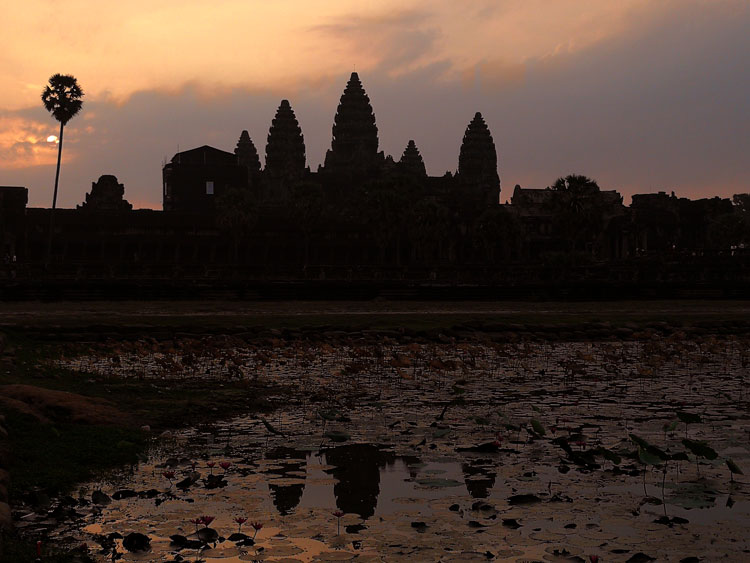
(204, 155)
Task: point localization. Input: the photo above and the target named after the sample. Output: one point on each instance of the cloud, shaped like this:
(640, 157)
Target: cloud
(23, 142)
(390, 41)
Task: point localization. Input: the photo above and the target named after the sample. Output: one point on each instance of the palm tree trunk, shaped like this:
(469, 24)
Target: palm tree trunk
(54, 198)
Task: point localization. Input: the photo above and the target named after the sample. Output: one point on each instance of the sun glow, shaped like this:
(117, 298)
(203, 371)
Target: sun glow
(23, 143)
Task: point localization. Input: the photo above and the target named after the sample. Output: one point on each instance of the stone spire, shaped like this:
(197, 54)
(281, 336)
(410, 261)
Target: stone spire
(246, 153)
(354, 147)
(477, 161)
(411, 161)
(285, 149)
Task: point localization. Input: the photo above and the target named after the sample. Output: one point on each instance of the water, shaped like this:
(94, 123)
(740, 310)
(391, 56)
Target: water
(418, 477)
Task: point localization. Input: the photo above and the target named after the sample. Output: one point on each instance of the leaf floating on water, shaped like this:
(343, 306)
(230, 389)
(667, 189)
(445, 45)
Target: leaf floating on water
(178, 540)
(640, 558)
(689, 418)
(438, 483)
(337, 436)
(700, 449)
(136, 541)
(523, 499)
(124, 493)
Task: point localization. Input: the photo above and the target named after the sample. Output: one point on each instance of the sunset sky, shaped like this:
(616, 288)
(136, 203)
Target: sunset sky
(642, 95)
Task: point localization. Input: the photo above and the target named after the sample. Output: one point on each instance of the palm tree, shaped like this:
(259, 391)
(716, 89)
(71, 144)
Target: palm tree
(62, 98)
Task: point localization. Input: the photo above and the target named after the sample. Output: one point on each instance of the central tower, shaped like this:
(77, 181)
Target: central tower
(354, 147)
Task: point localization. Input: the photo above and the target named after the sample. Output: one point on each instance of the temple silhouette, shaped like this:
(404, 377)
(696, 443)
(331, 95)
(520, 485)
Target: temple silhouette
(364, 216)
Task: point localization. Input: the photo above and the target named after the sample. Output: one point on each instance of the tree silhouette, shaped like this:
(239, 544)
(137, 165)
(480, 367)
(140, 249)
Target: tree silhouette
(62, 98)
(577, 210)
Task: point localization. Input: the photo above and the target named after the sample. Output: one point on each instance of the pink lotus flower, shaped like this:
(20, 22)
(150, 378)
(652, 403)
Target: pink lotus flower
(211, 466)
(206, 520)
(240, 521)
(256, 526)
(197, 522)
(594, 558)
(169, 475)
(225, 465)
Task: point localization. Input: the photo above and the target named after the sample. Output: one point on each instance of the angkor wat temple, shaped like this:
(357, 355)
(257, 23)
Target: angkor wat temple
(363, 216)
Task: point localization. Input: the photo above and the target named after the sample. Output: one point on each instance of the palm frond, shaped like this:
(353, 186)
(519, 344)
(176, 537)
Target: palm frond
(62, 97)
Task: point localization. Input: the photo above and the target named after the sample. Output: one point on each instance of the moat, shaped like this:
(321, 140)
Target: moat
(443, 448)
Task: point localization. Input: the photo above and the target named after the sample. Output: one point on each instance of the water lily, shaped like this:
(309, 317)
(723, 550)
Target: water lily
(211, 466)
(594, 558)
(338, 514)
(206, 520)
(225, 465)
(256, 526)
(197, 522)
(169, 475)
(240, 520)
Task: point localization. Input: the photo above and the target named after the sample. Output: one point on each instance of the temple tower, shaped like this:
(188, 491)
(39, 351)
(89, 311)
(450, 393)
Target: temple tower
(247, 155)
(354, 147)
(411, 161)
(285, 149)
(477, 161)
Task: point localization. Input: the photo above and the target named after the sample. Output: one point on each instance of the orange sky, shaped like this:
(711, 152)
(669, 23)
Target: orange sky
(486, 53)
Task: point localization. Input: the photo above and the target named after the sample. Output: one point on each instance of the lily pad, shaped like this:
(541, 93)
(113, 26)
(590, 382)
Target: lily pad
(438, 483)
(337, 436)
(523, 499)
